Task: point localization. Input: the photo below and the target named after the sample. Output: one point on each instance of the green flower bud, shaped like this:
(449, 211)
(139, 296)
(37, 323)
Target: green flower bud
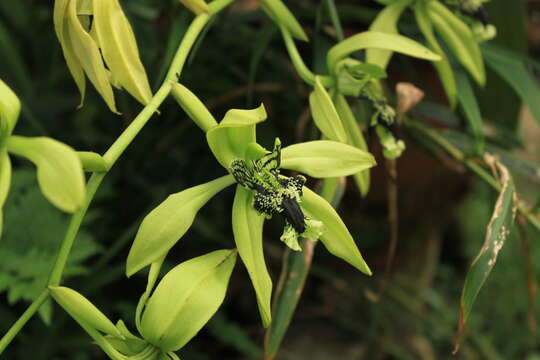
(10, 108)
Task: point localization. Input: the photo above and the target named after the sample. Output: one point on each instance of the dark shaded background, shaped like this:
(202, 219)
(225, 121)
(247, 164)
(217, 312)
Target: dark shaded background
(240, 62)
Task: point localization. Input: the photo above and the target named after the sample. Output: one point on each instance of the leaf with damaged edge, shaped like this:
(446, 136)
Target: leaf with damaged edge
(497, 232)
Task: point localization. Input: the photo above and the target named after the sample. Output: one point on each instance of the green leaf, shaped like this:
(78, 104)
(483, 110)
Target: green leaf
(459, 39)
(443, 67)
(355, 138)
(386, 22)
(280, 14)
(247, 228)
(497, 232)
(336, 237)
(324, 113)
(59, 170)
(468, 102)
(378, 40)
(186, 298)
(169, 221)
(119, 48)
(82, 310)
(323, 159)
(10, 108)
(195, 109)
(229, 139)
(512, 68)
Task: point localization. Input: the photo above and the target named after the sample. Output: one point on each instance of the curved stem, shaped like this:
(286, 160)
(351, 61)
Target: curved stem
(303, 71)
(111, 156)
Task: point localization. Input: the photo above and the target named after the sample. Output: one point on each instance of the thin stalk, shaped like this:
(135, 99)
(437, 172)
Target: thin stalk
(23, 319)
(334, 18)
(474, 167)
(111, 156)
(303, 71)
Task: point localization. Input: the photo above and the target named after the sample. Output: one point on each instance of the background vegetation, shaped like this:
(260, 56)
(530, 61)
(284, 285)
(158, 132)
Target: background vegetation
(444, 210)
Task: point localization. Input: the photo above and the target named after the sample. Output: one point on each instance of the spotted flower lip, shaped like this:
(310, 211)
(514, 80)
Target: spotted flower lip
(261, 192)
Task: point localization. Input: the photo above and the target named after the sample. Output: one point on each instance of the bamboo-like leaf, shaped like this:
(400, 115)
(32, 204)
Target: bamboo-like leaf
(61, 27)
(355, 138)
(194, 107)
(229, 140)
(186, 298)
(119, 48)
(378, 40)
(459, 38)
(89, 57)
(169, 221)
(386, 22)
(512, 69)
(323, 159)
(247, 228)
(280, 14)
(197, 6)
(325, 114)
(82, 310)
(336, 237)
(468, 102)
(443, 67)
(497, 232)
(59, 170)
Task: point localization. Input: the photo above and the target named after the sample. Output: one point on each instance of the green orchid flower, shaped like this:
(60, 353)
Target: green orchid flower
(59, 168)
(262, 190)
(182, 303)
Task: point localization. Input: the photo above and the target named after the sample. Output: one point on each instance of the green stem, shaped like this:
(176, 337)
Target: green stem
(110, 157)
(15, 328)
(303, 71)
(334, 17)
(474, 167)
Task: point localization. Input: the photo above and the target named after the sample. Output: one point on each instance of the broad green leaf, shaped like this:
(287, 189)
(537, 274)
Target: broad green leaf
(443, 67)
(5, 182)
(386, 22)
(355, 138)
(247, 228)
(119, 48)
(512, 68)
(497, 232)
(470, 107)
(59, 170)
(197, 6)
(92, 162)
(459, 39)
(281, 15)
(336, 237)
(229, 139)
(323, 159)
(324, 113)
(169, 221)
(82, 310)
(88, 55)
(61, 27)
(195, 109)
(10, 108)
(186, 298)
(378, 40)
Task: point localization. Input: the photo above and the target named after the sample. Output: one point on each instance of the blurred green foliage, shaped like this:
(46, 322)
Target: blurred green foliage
(241, 62)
